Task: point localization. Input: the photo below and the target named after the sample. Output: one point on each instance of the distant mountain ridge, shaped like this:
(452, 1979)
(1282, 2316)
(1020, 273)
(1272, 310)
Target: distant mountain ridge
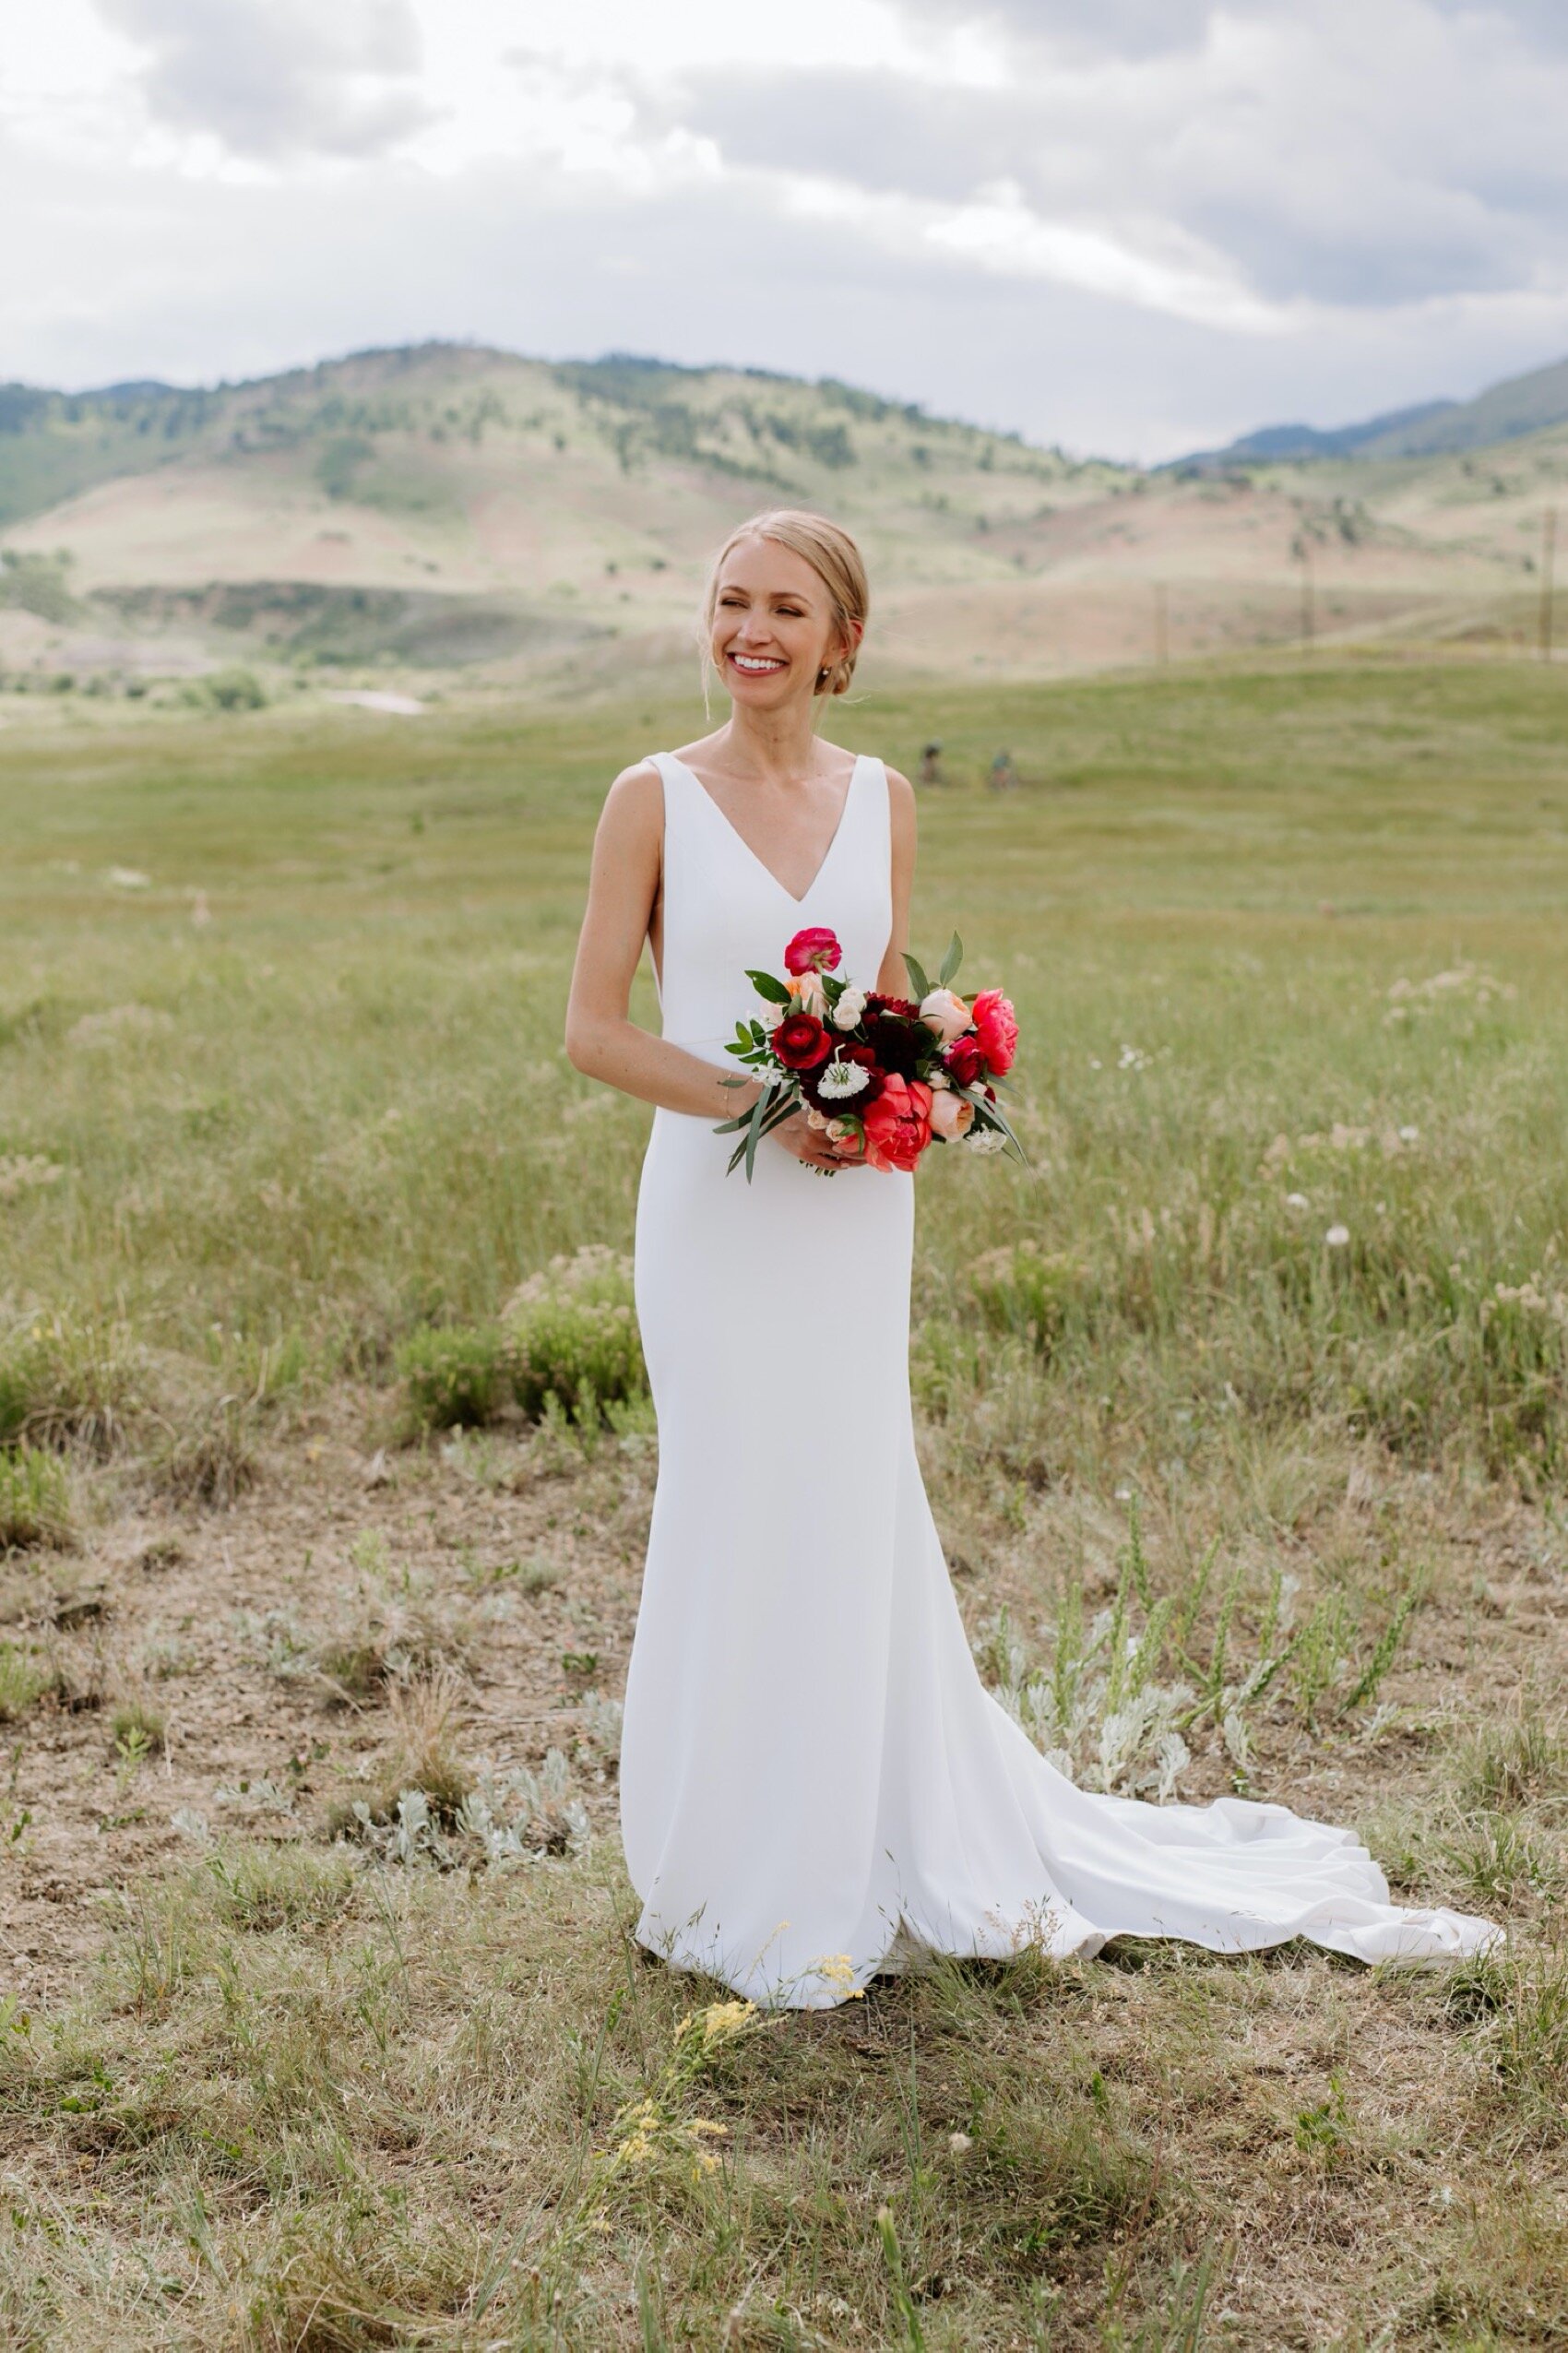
(443, 507)
(1505, 411)
(56, 445)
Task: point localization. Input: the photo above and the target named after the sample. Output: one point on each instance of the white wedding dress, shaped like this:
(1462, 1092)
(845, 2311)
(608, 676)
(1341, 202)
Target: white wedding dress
(813, 1779)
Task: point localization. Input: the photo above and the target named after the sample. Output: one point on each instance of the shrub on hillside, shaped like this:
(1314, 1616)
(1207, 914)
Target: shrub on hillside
(35, 1500)
(234, 689)
(61, 1380)
(571, 1334)
(454, 1377)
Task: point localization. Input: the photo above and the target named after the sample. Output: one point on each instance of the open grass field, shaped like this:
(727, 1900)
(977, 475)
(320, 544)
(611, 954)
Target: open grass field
(323, 1489)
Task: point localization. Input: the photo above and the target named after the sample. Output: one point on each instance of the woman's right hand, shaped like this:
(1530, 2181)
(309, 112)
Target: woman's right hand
(804, 1142)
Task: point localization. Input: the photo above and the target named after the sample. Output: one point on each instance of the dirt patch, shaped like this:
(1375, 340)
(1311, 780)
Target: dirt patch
(215, 1622)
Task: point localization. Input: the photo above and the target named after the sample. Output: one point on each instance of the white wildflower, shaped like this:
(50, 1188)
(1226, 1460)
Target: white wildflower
(1337, 1237)
(1295, 1201)
(849, 1011)
(985, 1139)
(840, 1080)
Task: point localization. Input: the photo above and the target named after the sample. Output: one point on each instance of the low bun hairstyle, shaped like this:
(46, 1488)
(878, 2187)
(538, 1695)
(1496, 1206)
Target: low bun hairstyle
(836, 562)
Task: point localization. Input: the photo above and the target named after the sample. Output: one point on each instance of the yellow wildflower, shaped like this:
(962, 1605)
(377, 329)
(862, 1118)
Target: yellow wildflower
(720, 2021)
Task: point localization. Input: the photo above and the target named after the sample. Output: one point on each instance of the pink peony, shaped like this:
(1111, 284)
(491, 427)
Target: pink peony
(897, 1125)
(997, 1027)
(816, 949)
(950, 1115)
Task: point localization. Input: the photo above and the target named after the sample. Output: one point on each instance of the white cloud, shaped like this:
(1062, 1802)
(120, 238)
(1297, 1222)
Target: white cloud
(277, 78)
(1127, 224)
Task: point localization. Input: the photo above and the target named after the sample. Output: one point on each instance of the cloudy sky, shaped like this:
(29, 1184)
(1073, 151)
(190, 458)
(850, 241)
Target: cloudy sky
(1132, 226)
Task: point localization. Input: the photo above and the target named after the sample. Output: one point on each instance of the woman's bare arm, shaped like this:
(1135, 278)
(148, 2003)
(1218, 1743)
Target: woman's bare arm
(893, 980)
(602, 1042)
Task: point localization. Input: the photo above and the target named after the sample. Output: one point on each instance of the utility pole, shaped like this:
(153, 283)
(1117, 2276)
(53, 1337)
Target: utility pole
(1547, 562)
(1309, 616)
(1161, 630)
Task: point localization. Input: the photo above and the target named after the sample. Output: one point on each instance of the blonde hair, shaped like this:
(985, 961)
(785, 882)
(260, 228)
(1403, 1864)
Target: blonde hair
(836, 562)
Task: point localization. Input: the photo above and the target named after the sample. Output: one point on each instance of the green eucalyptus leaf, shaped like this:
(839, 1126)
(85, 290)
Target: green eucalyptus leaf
(767, 986)
(950, 962)
(919, 985)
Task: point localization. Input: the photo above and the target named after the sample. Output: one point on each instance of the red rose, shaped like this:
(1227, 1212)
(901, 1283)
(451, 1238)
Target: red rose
(905, 1007)
(964, 1061)
(897, 1125)
(998, 1027)
(814, 950)
(801, 1041)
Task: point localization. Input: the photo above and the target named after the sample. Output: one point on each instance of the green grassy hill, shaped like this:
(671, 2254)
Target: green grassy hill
(442, 507)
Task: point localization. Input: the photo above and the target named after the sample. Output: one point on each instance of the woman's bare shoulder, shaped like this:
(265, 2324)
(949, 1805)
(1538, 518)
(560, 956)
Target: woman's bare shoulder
(636, 794)
(900, 796)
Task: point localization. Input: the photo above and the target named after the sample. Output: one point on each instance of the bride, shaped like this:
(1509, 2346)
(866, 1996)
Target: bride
(814, 1783)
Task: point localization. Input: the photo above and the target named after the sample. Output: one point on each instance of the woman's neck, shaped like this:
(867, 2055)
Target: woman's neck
(776, 747)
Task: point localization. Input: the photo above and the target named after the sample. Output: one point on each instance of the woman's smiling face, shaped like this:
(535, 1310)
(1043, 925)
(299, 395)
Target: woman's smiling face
(773, 629)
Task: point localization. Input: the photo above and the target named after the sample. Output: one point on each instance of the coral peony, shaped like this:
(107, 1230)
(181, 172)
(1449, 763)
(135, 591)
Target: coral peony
(963, 1061)
(998, 1029)
(816, 949)
(897, 1125)
(945, 1016)
(950, 1116)
(801, 1041)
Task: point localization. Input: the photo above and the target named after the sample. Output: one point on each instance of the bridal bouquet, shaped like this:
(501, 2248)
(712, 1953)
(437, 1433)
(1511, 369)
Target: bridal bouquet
(883, 1077)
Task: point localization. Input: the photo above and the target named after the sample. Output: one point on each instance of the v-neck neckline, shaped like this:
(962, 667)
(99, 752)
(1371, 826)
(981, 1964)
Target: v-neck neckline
(731, 829)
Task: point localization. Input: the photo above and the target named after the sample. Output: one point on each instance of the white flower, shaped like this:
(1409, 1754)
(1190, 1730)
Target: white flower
(1409, 1135)
(1295, 1201)
(985, 1139)
(840, 1080)
(849, 1011)
(1337, 1237)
